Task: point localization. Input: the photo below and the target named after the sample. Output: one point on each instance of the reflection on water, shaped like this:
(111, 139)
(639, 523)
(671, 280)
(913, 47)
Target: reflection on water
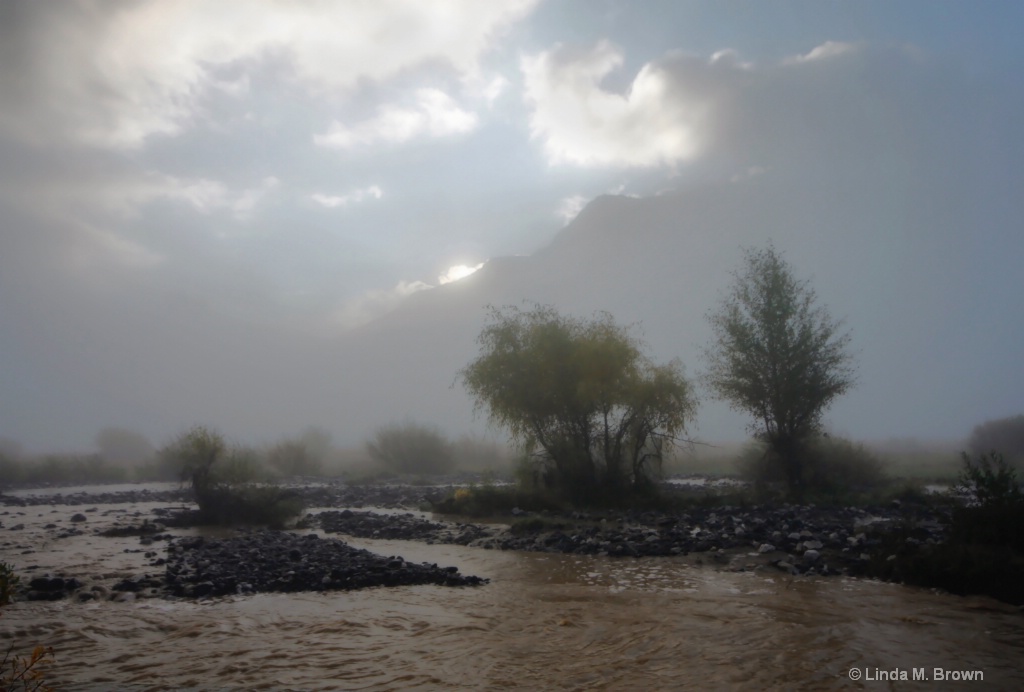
(545, 621)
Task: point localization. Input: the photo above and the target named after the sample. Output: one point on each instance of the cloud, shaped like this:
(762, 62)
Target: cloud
(581, 123)
(825, 51)
(116, 75)
(374, 303)
(434, 114)
(677, 109)
(353, 197)
(101, 245)
(494, 89)
(205, 195)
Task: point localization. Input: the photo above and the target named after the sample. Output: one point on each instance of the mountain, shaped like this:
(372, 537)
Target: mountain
(923, 286)
(925, 273)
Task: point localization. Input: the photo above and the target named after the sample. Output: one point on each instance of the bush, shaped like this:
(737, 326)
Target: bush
(489, 501)
(990, 480)
(123, 447)
(8, 583)
(984, 549)
(411, 449)
(833, 469)
(249, 504)
(24, 672)
(994, 515)
(293, 458)
(226, 482)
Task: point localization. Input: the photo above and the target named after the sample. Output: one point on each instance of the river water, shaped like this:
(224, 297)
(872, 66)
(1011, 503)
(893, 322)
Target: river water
(544, 622)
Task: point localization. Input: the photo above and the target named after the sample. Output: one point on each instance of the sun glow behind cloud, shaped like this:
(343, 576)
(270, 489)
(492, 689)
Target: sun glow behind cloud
(459, 271)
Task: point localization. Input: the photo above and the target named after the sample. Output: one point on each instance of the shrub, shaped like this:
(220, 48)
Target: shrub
(293, 458)
(8, 583)
(989, 480)
(122, 446)
(994, 515)
(226, 482)
(411, 448)
(833, 468)
(249, 504)
(24, 672)
(489, 501)
(984, 550)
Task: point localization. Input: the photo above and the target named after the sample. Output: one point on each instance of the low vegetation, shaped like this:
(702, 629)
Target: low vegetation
(411, 449)
(65, 469)
(27, 673)
(225, 481)
(834, 470)
(984, 548)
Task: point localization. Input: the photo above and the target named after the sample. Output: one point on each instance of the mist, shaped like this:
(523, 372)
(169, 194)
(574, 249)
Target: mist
(223, 258)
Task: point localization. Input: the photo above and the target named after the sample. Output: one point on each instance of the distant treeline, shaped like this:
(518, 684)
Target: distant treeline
(70, 469)
(126, 456)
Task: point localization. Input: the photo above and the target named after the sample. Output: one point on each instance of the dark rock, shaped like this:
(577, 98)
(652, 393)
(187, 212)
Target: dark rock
(47, 583)
(289, 562)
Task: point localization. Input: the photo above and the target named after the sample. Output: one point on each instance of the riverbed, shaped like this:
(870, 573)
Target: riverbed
(545, 621)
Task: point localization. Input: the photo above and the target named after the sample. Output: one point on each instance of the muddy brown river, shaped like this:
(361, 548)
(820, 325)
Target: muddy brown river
(544, 622)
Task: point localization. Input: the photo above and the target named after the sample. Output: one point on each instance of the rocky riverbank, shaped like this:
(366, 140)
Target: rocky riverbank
(328, 494)
(265, 561)
(796, 539)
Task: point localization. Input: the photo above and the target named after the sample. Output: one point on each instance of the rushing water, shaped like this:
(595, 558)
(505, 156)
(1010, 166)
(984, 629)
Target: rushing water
(545, 621)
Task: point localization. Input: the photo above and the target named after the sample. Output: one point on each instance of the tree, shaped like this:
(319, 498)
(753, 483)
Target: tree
(579, 396)
(193, 455)
(293, 458)
(123, 446)
(411, 448)
(779, 356)
(223, 480)
(1005, 435)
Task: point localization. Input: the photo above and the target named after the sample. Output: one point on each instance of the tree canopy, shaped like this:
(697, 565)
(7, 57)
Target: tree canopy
(1005, 435)
(578, 395)
(777, 355)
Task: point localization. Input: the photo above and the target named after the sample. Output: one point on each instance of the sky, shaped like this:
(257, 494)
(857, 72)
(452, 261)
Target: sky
(181, 179)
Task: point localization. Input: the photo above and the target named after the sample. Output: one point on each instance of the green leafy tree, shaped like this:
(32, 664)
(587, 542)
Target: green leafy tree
(779, 356)
(578, 396)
